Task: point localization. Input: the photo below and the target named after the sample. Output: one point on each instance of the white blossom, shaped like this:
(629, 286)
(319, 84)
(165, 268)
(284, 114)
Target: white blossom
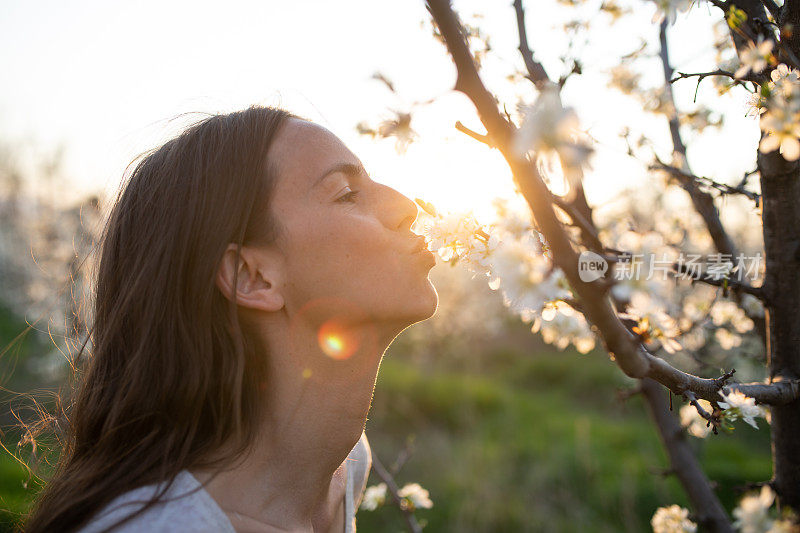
(785, 83)
(752, 513)
(561, 325)
(754, 58)
(726, 312)
(737, 404)
(548, 126)
(449, 235)
(672, 519)
(416, 495)
(782, 128)
(669, 9)
(374, 497)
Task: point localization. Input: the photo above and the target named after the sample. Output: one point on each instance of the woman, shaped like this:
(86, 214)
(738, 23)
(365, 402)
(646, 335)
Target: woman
(251, 277)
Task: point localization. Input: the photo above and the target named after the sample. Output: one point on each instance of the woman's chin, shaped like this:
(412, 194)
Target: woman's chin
(428, 303)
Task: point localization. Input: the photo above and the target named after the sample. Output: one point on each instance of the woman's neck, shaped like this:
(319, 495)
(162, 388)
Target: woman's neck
(293, 476)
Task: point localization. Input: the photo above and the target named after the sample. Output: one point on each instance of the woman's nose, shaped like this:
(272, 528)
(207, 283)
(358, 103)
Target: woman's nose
(400, 212)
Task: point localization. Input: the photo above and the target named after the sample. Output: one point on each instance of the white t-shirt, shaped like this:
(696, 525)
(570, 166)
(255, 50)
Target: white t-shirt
(189, 508)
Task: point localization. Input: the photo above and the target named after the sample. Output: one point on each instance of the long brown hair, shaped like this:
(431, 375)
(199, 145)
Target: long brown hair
(174, 376)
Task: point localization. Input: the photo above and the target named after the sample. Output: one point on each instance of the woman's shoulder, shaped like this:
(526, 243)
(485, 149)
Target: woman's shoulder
(184, 507)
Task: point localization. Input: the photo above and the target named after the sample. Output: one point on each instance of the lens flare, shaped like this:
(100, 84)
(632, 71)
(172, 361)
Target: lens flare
(335, 341)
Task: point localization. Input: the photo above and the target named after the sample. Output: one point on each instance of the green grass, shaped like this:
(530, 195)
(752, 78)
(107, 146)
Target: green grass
(16, 487)
(536, 442)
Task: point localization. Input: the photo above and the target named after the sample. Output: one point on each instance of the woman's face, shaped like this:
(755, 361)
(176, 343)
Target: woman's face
(347, 243)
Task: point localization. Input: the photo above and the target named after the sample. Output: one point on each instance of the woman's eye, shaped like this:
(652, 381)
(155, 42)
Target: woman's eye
(349, 197)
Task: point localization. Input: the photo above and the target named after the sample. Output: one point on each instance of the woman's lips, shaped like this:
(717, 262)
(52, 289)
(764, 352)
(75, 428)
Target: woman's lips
(420, 245)
(420, 249)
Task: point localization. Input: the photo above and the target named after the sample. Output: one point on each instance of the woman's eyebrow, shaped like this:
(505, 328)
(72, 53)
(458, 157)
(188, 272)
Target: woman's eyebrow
(349, 169)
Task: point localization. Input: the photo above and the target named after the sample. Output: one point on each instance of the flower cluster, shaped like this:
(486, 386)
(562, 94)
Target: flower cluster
(374, 497)
(514, 259)
(413, 497)
(781, 120)
(752, 515)
(672, 519)
(548, 127)
(735, 406)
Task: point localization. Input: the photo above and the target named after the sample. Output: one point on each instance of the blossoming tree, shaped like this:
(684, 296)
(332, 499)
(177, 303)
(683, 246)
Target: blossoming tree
(579, 279)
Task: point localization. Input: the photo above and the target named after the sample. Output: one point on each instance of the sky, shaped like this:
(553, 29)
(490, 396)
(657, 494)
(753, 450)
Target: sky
(109, 80)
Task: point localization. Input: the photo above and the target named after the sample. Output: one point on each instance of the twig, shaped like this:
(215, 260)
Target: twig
(723, 188)
(474, 134)
(724, 282)
(391, 486)
(719, 72)
(714, 421)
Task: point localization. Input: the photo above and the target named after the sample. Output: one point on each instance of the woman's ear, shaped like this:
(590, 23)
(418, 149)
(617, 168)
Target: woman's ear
(258, 278)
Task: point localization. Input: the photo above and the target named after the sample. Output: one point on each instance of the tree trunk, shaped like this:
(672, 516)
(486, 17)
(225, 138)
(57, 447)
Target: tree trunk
(780, 186)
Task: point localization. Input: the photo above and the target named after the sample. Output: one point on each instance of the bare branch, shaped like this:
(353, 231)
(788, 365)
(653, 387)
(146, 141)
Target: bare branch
(704, 181)
(712, 420)
(719, 72)
(536, 72)
(474, 134)
(725, 283)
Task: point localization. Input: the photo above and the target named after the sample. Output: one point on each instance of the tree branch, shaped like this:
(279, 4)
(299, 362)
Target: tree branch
(779, 392)
(707, 508)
